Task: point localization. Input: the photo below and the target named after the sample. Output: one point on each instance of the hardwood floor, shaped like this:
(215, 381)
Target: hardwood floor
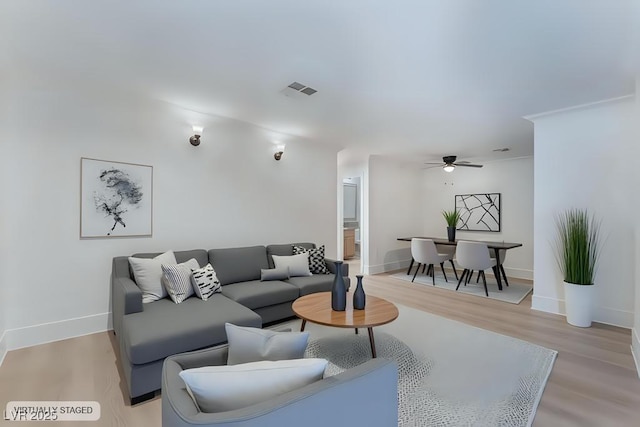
(593, 382)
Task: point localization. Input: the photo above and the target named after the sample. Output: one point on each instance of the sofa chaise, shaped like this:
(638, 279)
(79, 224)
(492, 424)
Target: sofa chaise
(148, 333)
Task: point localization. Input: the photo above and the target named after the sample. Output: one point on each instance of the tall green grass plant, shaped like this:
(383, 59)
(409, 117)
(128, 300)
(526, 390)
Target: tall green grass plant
(578, 246)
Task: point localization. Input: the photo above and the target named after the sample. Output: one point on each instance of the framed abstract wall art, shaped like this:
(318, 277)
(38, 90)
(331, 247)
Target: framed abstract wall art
(479, 212)
(116, 199)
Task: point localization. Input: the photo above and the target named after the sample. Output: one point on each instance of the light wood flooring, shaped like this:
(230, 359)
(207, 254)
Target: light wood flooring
(593, 382)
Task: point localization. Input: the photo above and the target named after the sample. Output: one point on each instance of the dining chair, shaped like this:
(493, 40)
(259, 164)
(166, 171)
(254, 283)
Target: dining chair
(474, 256)
(502, 253)
(424, 252)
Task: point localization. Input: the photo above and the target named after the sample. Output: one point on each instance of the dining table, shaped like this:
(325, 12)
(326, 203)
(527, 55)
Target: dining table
(491, 245)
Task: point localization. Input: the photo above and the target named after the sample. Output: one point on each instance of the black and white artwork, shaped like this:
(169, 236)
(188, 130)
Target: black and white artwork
(116, 199)
(479, 212)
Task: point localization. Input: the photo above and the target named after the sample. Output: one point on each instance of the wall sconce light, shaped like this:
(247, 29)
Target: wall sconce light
(195, 139)
(278, 151)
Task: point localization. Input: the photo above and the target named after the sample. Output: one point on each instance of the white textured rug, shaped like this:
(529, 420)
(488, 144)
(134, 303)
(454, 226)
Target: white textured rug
(450, 373)
(514, 293)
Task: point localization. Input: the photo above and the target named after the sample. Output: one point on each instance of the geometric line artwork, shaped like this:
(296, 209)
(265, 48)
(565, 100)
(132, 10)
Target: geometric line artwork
(479, 212)
(116, 199)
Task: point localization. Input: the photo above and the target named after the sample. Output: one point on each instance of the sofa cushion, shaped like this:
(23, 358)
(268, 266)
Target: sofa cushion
(165, 328)
(148, 275)
(257, 294)
(205, 282)
(274, 274)
(298, 265)
(284, 250)
(317, 264)
(176, 280)
(235, 265)
(312, 284)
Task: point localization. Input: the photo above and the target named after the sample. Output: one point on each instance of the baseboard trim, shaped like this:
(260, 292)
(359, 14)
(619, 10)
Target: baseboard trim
(389, 266)
(635, 349)
(3, 347)
(606, 315)
(56, 331)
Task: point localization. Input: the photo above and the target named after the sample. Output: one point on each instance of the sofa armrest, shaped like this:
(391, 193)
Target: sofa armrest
(126, 298)
(372, 387)
(332, 267)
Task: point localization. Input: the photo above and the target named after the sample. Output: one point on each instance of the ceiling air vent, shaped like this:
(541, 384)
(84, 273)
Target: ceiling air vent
(295, 89)
(500, 150)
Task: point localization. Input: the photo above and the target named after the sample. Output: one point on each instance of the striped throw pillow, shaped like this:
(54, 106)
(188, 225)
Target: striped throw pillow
(177, 279)
(205, 282)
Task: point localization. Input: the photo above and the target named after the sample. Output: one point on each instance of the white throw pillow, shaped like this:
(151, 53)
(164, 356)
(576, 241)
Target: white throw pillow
(298, 264)
(177, 279)
(254, 344)
(148, 275)
(205, 282)
(225, 388)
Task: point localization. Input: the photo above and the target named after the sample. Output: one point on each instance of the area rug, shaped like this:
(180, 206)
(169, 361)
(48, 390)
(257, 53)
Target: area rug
(450, 373)
(514, 293)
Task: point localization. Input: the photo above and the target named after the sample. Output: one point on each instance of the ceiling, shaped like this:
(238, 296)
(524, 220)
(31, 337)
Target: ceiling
(424, 78)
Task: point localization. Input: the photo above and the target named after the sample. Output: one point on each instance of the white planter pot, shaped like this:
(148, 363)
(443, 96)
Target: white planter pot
(578, 303)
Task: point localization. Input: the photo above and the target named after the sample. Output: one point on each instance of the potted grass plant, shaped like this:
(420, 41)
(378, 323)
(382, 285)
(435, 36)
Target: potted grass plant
(578, 247)
(452, 218)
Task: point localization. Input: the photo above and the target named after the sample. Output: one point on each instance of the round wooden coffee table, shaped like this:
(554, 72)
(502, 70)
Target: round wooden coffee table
(316, 308)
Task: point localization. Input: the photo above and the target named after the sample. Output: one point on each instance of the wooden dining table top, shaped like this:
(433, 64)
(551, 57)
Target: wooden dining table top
(444, 241)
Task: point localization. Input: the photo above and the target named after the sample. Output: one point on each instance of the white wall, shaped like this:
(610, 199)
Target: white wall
(635, 332)
(585, 159)
(4, 226)
(395, 210)
(513, 179)
(229, 191)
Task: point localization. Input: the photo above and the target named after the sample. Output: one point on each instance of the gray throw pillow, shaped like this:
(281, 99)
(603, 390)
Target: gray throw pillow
(255, 344)
(281, 273)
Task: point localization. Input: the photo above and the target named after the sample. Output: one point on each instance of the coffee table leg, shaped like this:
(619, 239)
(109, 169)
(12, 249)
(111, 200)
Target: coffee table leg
(372, 342)
(356, 331)
(304, 323)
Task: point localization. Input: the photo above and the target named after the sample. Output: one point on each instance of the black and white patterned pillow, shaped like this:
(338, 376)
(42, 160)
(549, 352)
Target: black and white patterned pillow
(205, 282)
(316, 259)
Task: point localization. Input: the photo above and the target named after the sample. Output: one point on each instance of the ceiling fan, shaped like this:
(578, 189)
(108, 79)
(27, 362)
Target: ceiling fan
(450, 164)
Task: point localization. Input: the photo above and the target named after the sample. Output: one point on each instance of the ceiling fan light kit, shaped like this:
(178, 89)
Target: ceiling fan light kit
(450, 164)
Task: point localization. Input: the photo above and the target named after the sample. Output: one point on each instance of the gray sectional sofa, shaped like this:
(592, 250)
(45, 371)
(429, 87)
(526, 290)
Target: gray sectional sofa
(148, 333)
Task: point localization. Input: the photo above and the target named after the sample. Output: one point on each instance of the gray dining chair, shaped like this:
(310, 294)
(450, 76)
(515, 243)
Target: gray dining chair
(474, 256)
(424, 252)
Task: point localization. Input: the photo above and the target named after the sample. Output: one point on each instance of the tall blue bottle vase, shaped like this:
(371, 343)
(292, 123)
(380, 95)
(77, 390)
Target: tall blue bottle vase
(338, 290)
(359, 297)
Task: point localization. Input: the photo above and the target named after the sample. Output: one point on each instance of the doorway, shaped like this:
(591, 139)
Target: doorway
(352, 222)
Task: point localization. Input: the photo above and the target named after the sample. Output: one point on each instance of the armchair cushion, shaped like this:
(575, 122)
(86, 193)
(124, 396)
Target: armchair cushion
(225, 388)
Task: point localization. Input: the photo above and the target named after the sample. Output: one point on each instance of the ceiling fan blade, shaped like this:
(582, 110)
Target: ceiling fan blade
(434, 163)
(467, 165)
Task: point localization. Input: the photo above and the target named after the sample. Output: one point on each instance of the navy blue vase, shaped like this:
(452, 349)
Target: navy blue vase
(359, 298)
(338, 290)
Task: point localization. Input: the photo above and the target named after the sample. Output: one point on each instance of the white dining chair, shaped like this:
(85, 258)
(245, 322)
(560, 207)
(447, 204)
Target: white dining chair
(424, 252)
(474, 256)
(502, 253)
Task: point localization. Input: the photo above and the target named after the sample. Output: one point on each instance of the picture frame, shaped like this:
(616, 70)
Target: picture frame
(479, 212)
(116, 199)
